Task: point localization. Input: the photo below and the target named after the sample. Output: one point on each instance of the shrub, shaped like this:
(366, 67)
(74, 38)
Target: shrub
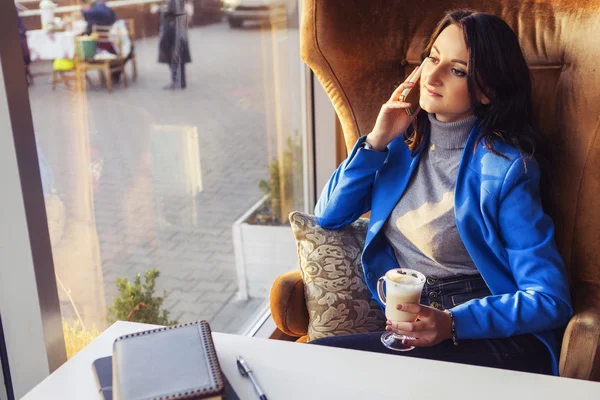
(138, 302)
(285, 179)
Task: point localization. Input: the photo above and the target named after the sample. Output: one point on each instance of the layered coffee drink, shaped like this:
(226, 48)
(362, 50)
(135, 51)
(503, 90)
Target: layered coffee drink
(402, 286)
(407, 290)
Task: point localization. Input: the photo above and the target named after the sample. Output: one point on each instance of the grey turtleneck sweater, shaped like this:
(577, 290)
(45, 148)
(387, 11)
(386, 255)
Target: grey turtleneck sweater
(421, 228)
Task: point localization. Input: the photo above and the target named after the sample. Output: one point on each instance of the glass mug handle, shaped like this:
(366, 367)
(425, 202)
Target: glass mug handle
(380, 293)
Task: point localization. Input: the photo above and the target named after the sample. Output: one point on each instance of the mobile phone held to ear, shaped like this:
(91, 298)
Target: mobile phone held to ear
(412, 95)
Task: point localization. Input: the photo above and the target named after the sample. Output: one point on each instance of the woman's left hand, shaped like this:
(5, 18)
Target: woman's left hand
(434, 326)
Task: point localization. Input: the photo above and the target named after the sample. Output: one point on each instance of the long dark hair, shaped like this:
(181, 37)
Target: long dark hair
(498, 68)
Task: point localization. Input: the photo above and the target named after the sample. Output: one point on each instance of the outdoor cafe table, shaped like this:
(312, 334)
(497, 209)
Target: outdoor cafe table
(45, 45)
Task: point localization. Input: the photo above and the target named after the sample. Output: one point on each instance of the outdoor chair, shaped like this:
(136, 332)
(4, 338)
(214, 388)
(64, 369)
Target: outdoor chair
(105, 67)
(124, 31)
(116, 36)
(63, 71)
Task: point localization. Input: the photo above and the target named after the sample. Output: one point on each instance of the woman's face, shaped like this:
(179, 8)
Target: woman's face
(444, 90)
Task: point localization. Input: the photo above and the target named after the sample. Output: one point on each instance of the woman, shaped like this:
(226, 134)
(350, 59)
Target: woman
(454, 194)
(173, 46)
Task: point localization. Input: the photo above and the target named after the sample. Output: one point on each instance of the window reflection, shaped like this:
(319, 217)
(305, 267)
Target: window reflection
(139, 177)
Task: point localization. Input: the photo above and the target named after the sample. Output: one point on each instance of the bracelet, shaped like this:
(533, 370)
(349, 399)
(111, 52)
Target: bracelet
(454, 339)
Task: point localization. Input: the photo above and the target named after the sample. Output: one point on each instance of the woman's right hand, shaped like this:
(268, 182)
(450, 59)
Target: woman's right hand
(392, 120)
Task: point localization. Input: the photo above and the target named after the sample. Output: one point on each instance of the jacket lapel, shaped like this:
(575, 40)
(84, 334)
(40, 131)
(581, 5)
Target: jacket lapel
(460, 190)
(391, 183)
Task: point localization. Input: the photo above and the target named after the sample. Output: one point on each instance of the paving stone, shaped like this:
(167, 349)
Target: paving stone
(170, 303)
(213, 308)
(220, 297)
(203, 274)
(202, 286)
(185, 317)
(184, 297)
(222, 257)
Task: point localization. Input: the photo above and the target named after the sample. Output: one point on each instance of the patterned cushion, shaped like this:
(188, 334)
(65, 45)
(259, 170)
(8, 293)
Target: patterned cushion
(337, 297)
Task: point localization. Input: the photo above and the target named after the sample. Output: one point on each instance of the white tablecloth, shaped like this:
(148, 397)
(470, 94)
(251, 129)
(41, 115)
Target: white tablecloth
(44, 45)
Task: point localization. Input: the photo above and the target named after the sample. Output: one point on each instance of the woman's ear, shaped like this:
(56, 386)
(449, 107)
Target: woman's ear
(481, 94)
(482, 98)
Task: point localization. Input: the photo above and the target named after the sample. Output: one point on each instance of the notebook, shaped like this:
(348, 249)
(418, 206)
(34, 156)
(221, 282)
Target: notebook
(103, 373)
(176, 362)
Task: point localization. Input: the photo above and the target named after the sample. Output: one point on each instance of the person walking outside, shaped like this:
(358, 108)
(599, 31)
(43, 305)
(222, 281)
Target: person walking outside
(173, 46)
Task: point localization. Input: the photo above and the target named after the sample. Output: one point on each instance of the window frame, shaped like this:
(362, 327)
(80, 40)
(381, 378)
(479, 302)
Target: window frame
(33, 325)
(29, 302)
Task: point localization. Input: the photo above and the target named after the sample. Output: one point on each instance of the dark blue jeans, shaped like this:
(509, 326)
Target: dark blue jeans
(518, 353)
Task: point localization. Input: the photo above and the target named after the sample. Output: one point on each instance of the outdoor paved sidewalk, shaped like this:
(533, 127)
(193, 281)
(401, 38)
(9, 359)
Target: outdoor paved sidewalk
(145, 138)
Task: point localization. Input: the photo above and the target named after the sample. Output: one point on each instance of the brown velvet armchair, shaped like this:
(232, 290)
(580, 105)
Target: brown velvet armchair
(360, 50)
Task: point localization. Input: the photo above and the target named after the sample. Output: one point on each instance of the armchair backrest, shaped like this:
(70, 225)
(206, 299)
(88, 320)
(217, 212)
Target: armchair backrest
(361, 50)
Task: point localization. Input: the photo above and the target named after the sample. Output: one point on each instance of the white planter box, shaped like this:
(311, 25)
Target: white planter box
(262, 253)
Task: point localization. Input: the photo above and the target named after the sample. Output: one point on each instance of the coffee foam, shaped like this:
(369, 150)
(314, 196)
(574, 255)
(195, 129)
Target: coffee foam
(400, 278)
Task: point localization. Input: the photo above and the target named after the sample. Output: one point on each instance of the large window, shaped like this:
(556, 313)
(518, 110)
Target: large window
(156, 179)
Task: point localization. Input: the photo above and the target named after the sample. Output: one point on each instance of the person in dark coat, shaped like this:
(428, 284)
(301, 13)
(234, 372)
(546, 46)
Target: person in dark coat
(173, 46)
(24, 48)
(97, 13)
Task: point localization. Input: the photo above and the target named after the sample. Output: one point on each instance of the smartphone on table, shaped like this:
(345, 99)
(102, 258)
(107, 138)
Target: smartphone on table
(412, 95)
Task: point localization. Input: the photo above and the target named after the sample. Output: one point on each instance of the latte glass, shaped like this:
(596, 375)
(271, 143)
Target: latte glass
(402, 285)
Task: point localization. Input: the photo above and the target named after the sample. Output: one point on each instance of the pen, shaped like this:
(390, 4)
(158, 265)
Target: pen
(246, 371)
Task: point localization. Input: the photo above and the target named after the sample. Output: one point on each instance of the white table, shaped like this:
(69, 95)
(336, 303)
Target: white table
(287, 370)
(44, 45)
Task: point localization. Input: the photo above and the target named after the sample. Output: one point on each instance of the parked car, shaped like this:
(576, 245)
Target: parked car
(238, 11)
(206, 11)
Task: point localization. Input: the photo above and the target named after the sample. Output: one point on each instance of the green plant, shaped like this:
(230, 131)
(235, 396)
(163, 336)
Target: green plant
(138, 302)
(284, 187)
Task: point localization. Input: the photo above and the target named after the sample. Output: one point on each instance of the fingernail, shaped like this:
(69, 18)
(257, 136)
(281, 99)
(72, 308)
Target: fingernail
(399, 306)
(410, 83)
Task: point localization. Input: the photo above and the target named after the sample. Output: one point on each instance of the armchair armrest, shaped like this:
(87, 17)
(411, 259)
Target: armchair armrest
(580, 354)
(288, 307)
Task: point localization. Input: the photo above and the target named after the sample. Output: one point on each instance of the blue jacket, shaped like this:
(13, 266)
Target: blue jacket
(499, 218)
(98, 14)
